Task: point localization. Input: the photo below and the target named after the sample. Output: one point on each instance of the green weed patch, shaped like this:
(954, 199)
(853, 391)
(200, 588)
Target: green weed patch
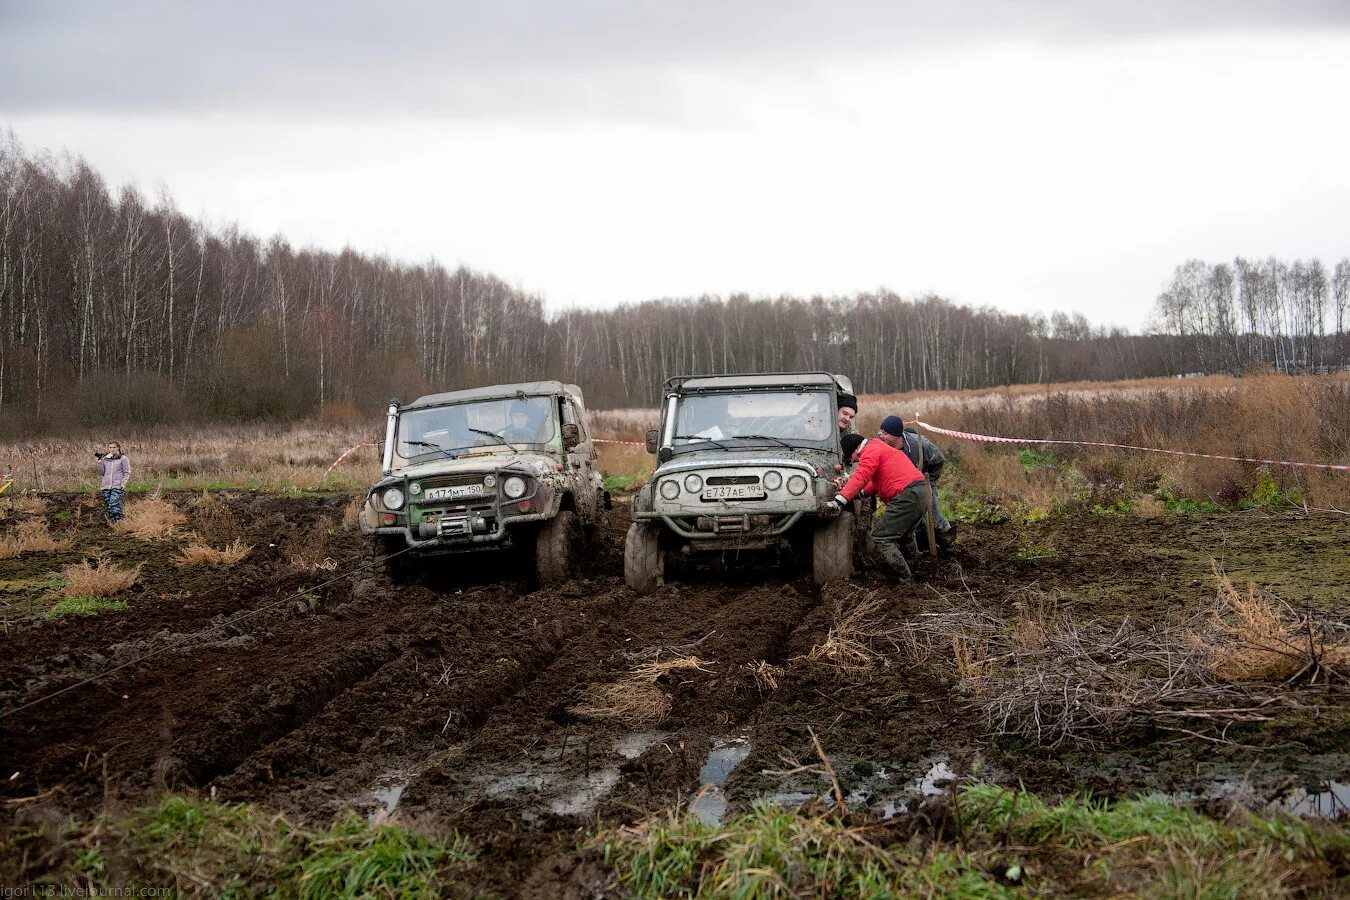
(200, 848)
(986, 842)
(84, 606)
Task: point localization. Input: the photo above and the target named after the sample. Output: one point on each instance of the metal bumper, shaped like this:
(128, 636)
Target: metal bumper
(456, 535)
(736, 527)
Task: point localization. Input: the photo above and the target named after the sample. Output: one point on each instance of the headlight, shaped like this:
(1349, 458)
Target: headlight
(797, 485)
(670, 489)
(693, 484)
(489, 481)
(415, 488)
(514, 487)
(773, 480)
(393, 498)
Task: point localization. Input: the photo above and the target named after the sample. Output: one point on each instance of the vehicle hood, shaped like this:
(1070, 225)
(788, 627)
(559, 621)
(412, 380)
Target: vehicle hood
(822, 463)
(537, 464)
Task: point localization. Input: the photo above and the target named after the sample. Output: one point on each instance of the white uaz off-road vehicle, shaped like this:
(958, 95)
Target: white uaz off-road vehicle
(486, 468)
(744, 462)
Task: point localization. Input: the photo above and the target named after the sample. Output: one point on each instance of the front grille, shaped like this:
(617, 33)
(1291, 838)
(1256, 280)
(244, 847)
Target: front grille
(733, 479)
(450, 481)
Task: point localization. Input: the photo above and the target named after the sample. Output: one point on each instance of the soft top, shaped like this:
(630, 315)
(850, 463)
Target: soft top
(760, 380)
(498, 392)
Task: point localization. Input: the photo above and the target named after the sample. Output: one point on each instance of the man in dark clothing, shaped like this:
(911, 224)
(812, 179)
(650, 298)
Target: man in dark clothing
(848, 410)
(888, 473)
(894, 433)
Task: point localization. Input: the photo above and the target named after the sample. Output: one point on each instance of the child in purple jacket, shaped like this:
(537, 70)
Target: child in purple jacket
(116, 472)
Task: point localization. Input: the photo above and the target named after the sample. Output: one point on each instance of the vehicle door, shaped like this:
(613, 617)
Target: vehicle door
(581, 467)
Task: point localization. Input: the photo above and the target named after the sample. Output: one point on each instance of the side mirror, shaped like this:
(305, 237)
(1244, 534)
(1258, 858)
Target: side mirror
(652, 437)
(571, 435)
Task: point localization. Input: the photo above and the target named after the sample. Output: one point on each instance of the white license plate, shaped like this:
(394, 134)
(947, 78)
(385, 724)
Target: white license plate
(453, 493)
(734, 492)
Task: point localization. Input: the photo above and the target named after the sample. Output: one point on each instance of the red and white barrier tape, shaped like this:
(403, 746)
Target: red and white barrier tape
(991, 439)
(345, 454)
(625, 443)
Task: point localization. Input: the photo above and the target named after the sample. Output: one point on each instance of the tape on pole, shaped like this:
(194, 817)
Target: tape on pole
(344, 455)
(993, 439)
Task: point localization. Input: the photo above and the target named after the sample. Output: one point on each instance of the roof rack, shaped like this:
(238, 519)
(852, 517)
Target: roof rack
(759, 379)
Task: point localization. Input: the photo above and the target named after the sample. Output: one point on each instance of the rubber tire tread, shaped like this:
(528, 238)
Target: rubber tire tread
(832, 549)
(643, 560)
(553, 549)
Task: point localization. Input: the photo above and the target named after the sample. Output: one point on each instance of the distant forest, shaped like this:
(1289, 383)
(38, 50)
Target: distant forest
(115, 308)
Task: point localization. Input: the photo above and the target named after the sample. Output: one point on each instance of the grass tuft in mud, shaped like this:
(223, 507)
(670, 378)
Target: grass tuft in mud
(200, 848)
(198, 553)
(31, 536)
(84, 606)
(982, 841)
(97, 576)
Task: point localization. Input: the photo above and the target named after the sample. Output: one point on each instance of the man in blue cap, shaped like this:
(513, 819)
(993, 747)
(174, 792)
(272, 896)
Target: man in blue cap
(910, 443)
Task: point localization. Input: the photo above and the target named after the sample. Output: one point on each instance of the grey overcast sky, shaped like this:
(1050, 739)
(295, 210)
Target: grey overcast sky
(1029, 155)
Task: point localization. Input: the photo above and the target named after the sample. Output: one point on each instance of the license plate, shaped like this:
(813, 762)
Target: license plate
(734, 492)
(453, 493)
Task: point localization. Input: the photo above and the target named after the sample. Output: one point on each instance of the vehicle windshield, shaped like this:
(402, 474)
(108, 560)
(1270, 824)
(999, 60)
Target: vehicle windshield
(467, 427)
(771, 418)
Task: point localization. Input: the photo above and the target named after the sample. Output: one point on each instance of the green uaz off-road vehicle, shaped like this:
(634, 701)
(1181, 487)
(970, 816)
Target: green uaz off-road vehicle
(485, 468)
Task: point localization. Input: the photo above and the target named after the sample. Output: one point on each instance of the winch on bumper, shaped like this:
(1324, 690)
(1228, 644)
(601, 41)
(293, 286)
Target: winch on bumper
(741, 506)
(461, 512)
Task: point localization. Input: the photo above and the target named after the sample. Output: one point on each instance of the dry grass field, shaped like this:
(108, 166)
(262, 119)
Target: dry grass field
(1129, 679)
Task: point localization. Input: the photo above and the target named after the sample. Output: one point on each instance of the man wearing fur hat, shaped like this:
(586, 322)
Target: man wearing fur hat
(888, 473)
(910, 443)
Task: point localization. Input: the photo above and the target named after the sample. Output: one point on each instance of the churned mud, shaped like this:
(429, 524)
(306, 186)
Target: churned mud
(303, 680)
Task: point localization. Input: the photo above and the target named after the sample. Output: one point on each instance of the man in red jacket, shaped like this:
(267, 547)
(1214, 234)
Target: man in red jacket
(888, 473)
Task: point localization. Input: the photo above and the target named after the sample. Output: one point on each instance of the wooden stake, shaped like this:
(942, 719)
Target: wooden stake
(928, 511)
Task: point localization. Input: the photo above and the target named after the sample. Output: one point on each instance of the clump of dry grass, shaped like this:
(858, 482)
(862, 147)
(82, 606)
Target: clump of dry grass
(351, 514)
(96, 576)
(1035, 672)
(31, 536)
(150, 519)
(198, 553)
(637, 698)
(766, 674)
(1256, 638)
(29, 504)
(970, 657)
(854, 628)
(307, 550)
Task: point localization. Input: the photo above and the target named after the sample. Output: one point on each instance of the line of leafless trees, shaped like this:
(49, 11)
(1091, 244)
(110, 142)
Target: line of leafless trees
(1226, 316)
(115, 307)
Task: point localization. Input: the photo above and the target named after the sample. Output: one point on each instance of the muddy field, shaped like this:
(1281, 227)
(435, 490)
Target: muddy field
(303, 680)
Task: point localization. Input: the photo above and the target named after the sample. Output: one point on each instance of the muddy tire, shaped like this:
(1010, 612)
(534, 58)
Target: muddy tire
(399, 568)
(553, 549)
(832, 549)
(864, 547)
(644, 563)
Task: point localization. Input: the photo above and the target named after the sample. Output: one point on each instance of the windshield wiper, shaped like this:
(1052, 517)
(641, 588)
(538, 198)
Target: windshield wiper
(499, 438)
(764, 437)
(695, 437)
(437, 447)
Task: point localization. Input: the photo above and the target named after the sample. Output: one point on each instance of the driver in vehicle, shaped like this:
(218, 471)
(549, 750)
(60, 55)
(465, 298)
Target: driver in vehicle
(521, 424)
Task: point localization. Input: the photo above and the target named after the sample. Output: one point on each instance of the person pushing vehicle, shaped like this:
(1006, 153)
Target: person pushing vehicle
(888, 473)
(928, 459)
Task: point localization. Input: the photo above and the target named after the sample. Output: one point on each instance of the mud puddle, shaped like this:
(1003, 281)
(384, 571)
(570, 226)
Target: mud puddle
(710, 805)
(1325, 800)
(885, 791)
(566, 780)
(388, 791)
